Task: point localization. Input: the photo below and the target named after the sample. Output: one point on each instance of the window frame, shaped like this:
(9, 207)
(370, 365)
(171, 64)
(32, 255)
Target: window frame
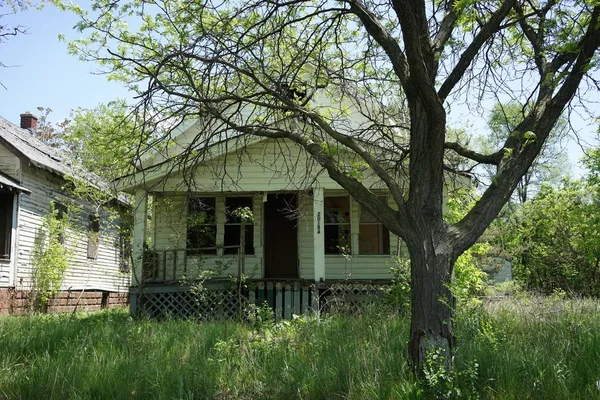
(383, 231)
(195, 251)
(9, 214)
(349, 223)
(249, 226)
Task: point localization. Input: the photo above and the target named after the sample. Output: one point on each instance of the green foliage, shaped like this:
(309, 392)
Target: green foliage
(443, 382)
(398, 293)
(469, 278)
(103, 139)
(50, 259)
(555, 241)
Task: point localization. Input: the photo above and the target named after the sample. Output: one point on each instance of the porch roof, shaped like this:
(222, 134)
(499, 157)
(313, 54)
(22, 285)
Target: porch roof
(10, 184)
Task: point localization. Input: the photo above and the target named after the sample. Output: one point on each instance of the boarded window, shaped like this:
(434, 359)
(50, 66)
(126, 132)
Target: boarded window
(337, 225)
(6, 220)
(233, 226)
(93, 237)
(201, 226)
(373, 237)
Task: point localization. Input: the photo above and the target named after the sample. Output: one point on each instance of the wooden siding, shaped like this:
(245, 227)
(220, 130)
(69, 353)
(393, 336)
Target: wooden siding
(271, 165)
(10, 164)
(170, 232)
(102, 273)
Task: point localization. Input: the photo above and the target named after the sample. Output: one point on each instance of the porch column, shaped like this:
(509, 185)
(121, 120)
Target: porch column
(318, 234)
(139, 234)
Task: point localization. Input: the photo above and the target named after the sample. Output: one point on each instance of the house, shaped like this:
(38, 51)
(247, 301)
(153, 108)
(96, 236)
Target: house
(306, 236)
(33, 177)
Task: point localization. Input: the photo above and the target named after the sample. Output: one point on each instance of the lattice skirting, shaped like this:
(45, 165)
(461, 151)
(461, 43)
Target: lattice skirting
(224, 302)
(210, 304)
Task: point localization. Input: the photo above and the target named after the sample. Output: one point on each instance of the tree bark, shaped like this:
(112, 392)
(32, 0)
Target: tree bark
(431, 303)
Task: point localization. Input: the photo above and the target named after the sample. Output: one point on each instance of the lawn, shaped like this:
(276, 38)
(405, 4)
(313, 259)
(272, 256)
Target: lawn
(518, 349)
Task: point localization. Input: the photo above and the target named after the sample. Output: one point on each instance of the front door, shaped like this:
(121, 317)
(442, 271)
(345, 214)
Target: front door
(281, 236)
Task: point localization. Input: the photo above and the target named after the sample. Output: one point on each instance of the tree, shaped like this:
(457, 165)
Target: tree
(9, 30)
(101, 139)
(550, 165)
(260, 67)
(555, 241)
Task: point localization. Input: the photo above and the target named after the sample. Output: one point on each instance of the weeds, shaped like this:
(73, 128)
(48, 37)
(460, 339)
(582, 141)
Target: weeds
(537, 348)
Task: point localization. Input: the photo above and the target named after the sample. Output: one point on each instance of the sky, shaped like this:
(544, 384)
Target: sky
(41, 73)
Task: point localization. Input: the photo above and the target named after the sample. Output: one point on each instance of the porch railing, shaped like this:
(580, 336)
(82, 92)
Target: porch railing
(171, 265)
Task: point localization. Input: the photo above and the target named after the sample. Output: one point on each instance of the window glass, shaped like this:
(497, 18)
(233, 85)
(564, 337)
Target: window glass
(373, 237)
(337, 225)
(201, 226)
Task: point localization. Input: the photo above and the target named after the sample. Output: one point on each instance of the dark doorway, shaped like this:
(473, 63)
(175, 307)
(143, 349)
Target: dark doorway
(281, 237)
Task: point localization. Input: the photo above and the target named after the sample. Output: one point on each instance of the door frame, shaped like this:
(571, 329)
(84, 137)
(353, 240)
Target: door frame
(263, 230)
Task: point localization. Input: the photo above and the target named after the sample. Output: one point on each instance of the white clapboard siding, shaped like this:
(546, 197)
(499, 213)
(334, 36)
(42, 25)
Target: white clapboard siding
(102, 273)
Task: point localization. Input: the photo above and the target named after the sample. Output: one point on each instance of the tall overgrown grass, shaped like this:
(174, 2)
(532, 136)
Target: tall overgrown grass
(516, 349)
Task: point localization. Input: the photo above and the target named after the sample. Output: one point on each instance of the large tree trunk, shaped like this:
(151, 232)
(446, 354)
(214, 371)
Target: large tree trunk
(431, 304)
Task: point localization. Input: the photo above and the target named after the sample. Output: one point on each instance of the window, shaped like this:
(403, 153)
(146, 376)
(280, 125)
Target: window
(337, 225)
(201, 226)
(6, 219)
(61, 215)
(233, 224)
(373, 237)
(93, 236)
(125, 235)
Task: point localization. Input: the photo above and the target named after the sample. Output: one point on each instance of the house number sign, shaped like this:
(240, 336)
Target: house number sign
(319, 222)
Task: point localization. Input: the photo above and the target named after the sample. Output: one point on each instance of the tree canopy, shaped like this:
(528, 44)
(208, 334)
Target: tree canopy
(264, 68)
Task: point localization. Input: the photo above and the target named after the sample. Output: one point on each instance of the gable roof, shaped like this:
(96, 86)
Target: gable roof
(25, 145)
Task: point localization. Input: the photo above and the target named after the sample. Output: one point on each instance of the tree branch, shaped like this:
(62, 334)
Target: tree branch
(466, 58)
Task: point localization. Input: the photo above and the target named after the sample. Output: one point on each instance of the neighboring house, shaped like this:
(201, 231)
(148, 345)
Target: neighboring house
(32, 177)
(307, 232)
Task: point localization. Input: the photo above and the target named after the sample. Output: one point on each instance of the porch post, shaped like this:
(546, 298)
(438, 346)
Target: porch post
(318, 234)
(139, 234)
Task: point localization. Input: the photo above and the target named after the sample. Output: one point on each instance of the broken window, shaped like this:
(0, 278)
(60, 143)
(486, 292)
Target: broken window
(337, 225)
(373, 237)
(61, 216)
(233, 226)
(6, 220)
(201, 226)
(93, 236)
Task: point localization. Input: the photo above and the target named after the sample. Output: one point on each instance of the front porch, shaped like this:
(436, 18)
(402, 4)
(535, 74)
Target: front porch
(327, 254)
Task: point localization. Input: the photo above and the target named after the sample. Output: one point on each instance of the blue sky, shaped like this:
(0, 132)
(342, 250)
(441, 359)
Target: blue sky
(45, 75)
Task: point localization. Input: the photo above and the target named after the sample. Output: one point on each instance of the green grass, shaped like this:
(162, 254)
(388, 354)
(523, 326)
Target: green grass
(535, 349)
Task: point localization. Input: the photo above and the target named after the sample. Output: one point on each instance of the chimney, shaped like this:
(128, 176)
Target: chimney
(29, 121)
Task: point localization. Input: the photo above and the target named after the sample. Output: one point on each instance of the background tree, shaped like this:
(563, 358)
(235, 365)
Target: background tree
(550, 166)
(102, 139)
(266, 68)
(555, 241)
